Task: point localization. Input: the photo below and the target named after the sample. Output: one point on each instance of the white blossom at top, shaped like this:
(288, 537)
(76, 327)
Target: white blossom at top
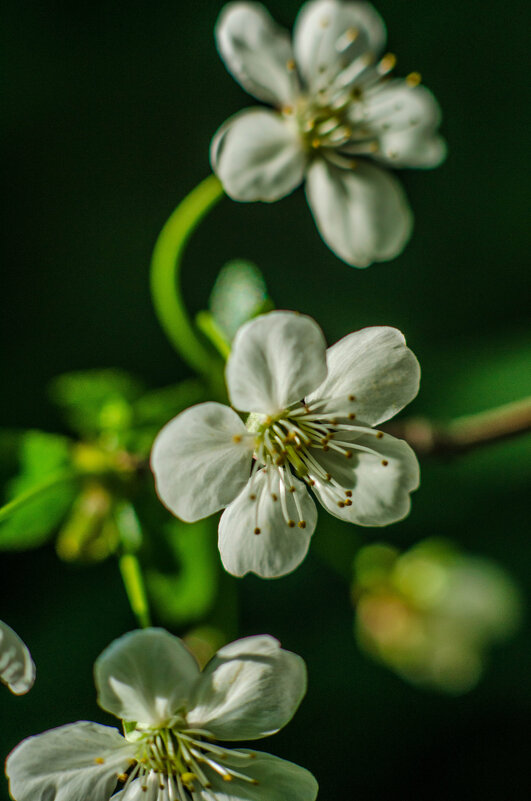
(339, 121)
(174, 715)
(17, 670)
(310, 426)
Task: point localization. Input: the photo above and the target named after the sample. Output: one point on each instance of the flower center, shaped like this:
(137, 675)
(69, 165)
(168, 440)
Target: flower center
(306, 442)
(179, 761)
(334, 114)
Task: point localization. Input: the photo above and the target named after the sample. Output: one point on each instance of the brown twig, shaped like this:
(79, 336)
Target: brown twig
(465, 433)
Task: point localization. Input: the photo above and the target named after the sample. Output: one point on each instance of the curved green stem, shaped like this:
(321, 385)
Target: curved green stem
(33, 492)
(165, 278)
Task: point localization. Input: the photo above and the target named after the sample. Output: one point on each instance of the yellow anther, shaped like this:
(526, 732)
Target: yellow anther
(328, 477)
(302, 523)
(388, 62)
(352, 34)
(348, 502)
(348, 454)
(122, 777)
(274, 496)
(252, 497)
(287, 109)
(290, 64)
(379, 435)
(384, 462)
(413, 79)
(341, 504)
(348, 493)
(227, 777)
(99, 761)
(188, 779)
(316, 143)
(257, 530)
(351, 416)
(237, 438)
(352, 398)
(291, 523)
(291, 489)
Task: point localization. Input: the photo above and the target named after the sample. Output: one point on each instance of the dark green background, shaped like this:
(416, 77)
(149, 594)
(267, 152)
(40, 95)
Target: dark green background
(108, 113)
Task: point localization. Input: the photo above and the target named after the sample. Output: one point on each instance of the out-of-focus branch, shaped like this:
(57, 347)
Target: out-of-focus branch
(429, 438)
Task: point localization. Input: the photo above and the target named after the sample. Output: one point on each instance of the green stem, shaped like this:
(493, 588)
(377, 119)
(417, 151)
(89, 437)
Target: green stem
(165, 278)
(131, 539)
(135, 589)
(34, 492)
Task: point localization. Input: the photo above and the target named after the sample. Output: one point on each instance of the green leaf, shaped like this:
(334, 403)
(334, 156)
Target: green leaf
(157, 407)
(238, 295)
(187, 589)
(45, 461)
(96, 400)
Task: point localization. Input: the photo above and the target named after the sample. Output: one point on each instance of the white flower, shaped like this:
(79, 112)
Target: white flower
(173, 715)
(336, 112)
(17, 670)
(310, 426)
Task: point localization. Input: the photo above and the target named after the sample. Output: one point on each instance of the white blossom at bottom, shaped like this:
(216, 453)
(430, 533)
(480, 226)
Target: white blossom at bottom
(175, 718)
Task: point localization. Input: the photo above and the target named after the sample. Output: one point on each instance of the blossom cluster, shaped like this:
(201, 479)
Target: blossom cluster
(305, 425)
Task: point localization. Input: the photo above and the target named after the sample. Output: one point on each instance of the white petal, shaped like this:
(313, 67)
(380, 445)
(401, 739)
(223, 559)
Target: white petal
(278, 548)
(371, 373)
(145, 676)
(80, 761)
(276, 360)
(257, 52)
(201, 460)
(362, 214)
(250, 689)
(381, 482)
(16, 665)
(258, 155)
(413, 148)
(275, 780)
(405, 119)
(329, 33)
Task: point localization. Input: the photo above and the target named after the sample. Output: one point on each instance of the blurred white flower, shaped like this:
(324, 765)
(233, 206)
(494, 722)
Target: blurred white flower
(173, 715)
(17, 670)
(337, 112)
(310, 426)
(432, 613)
